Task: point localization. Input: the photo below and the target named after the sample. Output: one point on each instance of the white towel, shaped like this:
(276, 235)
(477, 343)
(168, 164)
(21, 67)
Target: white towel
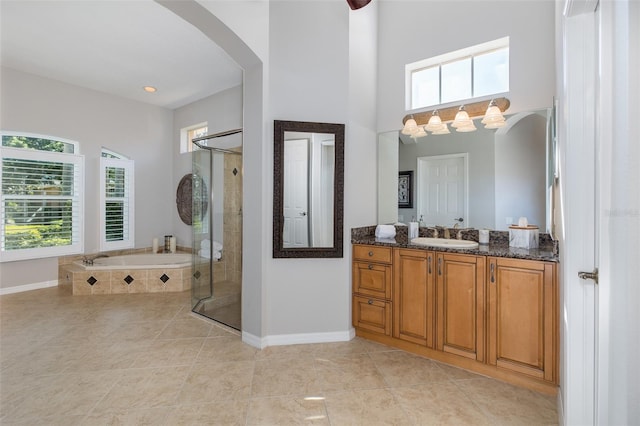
(206, 245)
(217, 255)
(385, 231)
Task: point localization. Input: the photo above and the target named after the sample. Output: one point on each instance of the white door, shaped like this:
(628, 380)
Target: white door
(442, 190)
(296, 200)
(578, 239)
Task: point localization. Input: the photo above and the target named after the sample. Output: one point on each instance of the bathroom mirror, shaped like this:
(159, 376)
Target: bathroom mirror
(308, 180)
(504, 173)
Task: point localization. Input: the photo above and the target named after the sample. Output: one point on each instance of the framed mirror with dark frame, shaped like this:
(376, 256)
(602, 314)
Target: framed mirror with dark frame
(308, 189)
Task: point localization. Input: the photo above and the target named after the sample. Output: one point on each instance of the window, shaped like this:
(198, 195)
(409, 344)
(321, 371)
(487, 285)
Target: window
(41, 205)
(474, 72)
(116, 202)
(188, 134)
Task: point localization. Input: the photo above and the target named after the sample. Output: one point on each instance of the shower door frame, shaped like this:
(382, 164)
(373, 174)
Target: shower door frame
(211, 150)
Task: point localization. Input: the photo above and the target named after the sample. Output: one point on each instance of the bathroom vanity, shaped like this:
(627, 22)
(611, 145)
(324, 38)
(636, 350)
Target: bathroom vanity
(491, 309)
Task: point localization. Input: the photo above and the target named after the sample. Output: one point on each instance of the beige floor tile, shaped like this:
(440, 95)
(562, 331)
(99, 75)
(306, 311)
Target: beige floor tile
(440, 403)
(142, 417)
(507, 404)
(348, 372)
(164, 353)
(146, 359)
(143, 388)
(55, 396)
(285, 377)
(287, 351)
(226, 348)
(365, 407)
(208, 382)
(227, 413)
(184, 328)
(285, 411)
(403, 369)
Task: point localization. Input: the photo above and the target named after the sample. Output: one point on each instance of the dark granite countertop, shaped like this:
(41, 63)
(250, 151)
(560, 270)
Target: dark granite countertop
(498, 247)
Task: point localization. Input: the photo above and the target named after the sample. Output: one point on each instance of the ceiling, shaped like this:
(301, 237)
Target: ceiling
(116, 47)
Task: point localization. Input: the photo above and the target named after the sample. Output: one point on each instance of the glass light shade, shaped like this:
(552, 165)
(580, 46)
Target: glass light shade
(462, 119)
(443, 130)
(434, 123)
(493, 114)
(410, 127)
(420, 133)
(470, 127)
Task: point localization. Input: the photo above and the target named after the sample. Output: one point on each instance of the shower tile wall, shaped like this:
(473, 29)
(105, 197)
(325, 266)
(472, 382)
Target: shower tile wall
(232, 253)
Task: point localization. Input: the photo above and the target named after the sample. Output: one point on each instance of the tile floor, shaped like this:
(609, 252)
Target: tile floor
(144, 359)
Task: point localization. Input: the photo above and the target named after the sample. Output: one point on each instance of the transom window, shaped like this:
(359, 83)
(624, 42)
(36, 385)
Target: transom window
(41, 207)
(188, 134)
(475, 72)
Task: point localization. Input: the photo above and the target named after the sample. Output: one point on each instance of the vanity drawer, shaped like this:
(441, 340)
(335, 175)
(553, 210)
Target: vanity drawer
(372, 253)
(372, 279)
(372, 314)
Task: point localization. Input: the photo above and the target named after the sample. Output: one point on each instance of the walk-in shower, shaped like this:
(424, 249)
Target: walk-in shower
(217, 230)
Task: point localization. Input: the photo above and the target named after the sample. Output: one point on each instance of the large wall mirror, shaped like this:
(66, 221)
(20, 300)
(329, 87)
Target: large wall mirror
(501, 175)
(308, 179)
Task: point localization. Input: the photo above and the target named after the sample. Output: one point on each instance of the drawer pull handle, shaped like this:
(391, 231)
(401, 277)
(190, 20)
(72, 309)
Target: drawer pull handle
(493, 278)
(370, 253)
(429, 263)
(370, 266)
(370, 302)
(439, 266)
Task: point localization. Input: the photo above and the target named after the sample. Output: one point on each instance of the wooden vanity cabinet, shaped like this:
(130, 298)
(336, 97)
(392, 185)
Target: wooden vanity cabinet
(372, 283)
(522, 317)
(460, 305)
(414, 296)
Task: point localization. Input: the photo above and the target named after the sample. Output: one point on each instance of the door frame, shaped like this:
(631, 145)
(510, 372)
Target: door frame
(420, 171)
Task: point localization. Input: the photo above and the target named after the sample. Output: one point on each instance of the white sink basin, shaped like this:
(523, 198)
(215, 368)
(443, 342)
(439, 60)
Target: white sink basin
(443, 242)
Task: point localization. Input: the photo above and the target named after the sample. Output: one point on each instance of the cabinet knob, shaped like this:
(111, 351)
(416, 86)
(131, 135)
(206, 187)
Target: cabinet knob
(370, 302)
(370, 253)
(370, 266)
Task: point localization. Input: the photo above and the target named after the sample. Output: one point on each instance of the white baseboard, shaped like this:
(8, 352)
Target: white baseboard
(28, 287)
(297, 339)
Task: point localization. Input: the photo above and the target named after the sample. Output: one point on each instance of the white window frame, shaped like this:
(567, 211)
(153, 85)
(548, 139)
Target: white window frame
(186, 145)
(128, 199)
(439, 61)
(77, 199)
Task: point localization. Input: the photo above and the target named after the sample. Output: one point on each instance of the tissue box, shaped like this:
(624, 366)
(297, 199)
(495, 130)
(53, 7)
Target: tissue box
(523, 236)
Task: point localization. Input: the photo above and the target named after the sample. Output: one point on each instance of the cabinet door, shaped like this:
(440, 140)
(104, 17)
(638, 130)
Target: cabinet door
(522, 316)
(413, 296)
(372, 314)
(460, 305)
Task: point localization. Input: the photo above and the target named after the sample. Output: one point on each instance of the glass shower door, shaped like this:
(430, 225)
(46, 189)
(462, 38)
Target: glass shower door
(217, 235)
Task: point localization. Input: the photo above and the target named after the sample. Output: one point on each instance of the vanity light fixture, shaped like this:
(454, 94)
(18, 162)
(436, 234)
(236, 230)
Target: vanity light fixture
(149, 89)
(420, 133)
(460, 116)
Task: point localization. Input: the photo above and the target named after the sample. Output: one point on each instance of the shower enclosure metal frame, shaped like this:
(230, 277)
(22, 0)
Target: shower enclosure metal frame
(198, 142)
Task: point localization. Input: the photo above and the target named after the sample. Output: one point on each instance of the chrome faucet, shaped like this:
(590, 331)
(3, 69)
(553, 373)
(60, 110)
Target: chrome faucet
(435, 231)
(445, 232)
(88, 260)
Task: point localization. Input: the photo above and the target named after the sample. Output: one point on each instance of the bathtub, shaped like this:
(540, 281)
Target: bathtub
(134, 273)
(138, 261)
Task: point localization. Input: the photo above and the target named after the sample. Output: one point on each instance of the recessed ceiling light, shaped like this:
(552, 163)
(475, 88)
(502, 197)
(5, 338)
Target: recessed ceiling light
(149, 89)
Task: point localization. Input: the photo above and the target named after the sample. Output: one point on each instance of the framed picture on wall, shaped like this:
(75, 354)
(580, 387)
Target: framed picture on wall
(405, 189)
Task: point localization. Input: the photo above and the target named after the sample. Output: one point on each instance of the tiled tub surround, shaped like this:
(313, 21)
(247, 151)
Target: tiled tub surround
(69, 273)
(498, 243)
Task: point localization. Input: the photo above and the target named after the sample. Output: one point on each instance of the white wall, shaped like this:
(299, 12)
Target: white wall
(136, 130)
(414, 30)
(222, 111)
